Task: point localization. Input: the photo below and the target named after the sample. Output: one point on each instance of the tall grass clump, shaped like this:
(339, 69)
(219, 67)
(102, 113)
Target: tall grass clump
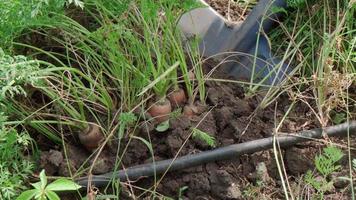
(18, 16)
(321, 35)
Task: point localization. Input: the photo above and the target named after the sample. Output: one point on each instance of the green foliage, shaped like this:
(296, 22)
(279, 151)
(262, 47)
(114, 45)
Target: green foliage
(296, 3)
(14, 168)
(181, 191)
(18, 15)
(16, 71)
(204, 137)
(162, 127)
(44, 191)
(126, 119)
(325, 164)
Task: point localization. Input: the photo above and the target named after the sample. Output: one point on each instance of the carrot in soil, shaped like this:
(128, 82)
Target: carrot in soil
(177, 97)
(160, 110)
(190, 110)
(91, 137)
(191, 75)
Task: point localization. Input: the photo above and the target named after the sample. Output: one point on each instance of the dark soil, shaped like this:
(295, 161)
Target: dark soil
(233, 11)
(230, 117)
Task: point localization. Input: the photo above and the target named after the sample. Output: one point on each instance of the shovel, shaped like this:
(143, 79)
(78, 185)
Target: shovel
(242, 46)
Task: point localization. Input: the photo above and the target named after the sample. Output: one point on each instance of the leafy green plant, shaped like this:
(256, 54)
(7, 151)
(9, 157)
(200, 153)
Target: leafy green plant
(16, 16)
(325, 164)
(181, 191)
(14, 168)
(44, 191)
(204, 137)
(126, 119)
(296, 3)
(15, 72)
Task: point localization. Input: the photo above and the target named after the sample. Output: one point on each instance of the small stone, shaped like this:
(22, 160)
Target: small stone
(223, 116)
(298, 161)
(223, 186)
(199, 183)
(242, 108)
(234, 128)
(213, 96)
(174, 142)
(262, 172)
(66, 168)
(102, 165)
(55, 157)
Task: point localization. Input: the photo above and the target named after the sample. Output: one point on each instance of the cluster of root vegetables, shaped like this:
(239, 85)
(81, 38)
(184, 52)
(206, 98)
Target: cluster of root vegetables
(157, 111)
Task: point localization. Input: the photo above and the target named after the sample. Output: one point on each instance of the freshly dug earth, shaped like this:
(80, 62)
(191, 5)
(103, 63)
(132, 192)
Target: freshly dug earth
(230, 117)
(229, 9)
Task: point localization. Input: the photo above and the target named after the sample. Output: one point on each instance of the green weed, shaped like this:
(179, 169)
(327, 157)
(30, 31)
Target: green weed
(15, 169)
(204, 137)
(325, 164)
(44, 191)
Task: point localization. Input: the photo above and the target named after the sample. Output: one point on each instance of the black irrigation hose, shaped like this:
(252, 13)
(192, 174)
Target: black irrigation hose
(223, 153)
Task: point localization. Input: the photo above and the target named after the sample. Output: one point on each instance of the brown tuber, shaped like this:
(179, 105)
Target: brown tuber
(91, 137)
(190, 110)
(191, 75)
(160, 110)
(177, 97)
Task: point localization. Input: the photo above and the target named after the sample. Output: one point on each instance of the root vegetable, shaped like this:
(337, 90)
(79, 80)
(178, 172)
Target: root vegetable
(191, 75)
(160, 110)
(91, 137)
(190, 110)
(177, 97)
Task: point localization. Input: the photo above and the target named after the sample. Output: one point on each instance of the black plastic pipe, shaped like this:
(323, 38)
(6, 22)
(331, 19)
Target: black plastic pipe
(223, 153)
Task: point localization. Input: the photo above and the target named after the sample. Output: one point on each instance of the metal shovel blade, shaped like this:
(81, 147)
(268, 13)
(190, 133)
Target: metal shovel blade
(242, 45)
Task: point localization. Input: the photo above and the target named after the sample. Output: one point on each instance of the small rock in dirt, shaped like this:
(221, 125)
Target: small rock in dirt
(76, 155)
(211, 167)
(199, 183)
(171, 186)
(147, 127)
(208, 124)
(222, 185)
(242, 108)
(261, 173)
(227, 141)
(64, 168)
(298, 161)
(102, 165)
(174, 142)
(55, 157)
(51, 161)
(234, 129)
(247, 168)
(223, 116)
(213, 96)
(181, 122)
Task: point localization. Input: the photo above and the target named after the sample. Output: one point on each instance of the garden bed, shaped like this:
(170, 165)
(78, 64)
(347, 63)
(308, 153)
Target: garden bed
(89, 94)
(230, 117)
